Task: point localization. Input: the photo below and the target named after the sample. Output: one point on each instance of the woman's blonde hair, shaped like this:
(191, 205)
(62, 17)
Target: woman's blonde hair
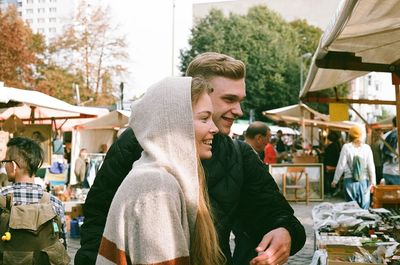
(204, 244)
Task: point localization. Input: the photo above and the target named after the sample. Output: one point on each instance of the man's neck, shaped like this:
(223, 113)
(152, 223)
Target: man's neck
(25, 179)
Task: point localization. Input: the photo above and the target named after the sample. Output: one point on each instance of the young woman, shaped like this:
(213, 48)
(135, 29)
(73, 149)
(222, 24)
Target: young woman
(358, 189)
(160, 213)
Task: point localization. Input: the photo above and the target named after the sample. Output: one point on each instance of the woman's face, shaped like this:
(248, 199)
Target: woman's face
(204, 126)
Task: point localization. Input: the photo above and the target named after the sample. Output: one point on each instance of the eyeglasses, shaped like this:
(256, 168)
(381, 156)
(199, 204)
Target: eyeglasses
(3, 162)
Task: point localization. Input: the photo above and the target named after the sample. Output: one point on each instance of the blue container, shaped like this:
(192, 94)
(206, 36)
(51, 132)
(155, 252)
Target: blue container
(74, 229)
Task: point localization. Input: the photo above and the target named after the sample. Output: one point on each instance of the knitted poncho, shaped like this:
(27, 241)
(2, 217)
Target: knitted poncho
(154, 210)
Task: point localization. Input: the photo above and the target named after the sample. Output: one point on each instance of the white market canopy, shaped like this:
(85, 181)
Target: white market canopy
(298, 110)
(364, 36)
(29, 105)
(303, 114)
(114, 120)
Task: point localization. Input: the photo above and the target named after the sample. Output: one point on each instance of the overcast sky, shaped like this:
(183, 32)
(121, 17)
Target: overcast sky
(148, 28)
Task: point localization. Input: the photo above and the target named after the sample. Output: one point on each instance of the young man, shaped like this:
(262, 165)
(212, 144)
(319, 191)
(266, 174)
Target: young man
(257, 136)
(242, 192)
(23, 157)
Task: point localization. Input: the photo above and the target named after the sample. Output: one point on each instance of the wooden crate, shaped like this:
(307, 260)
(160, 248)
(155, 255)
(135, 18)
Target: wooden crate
(339, 254)
(386, 194)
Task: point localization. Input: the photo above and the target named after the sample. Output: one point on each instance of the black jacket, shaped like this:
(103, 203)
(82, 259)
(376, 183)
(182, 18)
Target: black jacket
(247, 199)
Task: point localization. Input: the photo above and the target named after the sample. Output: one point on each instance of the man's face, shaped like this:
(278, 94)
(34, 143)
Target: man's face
(226, 99)
(10, 167)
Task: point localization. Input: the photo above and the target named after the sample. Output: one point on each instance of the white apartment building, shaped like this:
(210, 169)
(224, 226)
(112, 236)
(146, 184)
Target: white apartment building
(373, 86)
(317, 13)
(47, 17)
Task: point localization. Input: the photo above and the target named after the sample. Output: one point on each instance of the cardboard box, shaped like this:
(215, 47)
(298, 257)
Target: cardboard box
(339, 255)
(76, 211)
(67, 222)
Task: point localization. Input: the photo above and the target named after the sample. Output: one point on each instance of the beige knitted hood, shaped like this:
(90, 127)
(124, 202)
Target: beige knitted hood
(153, 212)
(163, 123)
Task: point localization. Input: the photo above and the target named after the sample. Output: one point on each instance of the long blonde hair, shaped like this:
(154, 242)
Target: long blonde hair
(204, 244)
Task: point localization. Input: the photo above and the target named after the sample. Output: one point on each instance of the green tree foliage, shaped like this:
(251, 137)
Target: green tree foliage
(266, 43)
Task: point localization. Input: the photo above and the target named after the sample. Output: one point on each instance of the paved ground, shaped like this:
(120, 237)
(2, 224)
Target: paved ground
(302, 212)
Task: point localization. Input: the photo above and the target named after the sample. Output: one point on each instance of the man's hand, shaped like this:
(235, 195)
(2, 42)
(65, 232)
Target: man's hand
(274, 248)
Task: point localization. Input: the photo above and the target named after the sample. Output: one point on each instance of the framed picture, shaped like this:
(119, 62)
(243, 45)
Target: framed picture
(42, 134)
(315, 174)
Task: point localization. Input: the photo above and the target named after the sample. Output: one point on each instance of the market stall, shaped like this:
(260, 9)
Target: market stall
(345, 234)
(42, 117)
(364, 36)
(93, 134)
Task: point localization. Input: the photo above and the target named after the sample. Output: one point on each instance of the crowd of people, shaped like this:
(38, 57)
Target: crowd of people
(358, 167)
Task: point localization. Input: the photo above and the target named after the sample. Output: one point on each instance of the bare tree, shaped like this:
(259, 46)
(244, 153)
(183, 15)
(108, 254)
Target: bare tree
(91, 45)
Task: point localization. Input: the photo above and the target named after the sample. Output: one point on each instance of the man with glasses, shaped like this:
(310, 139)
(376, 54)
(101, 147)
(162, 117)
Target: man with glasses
(23, 158)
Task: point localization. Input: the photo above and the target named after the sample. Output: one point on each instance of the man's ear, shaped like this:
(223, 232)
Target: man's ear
(14, 166)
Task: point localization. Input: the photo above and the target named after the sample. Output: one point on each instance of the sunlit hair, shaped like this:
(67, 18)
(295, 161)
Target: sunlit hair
(199, 86)
(212, 64)
(204, 245)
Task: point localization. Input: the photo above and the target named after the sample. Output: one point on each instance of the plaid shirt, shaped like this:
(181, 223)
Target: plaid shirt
(27, 193)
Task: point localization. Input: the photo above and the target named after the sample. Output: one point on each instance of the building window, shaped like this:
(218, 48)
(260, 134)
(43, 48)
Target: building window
(40, 30)
(52, 9)
(29, 1)
(40, 20)
(53, 1)
(19, 4)
(29, 21)
(29, 11)
(20, 13)
(52, 20)
(52, 30)
(41, 10)
(42, 1)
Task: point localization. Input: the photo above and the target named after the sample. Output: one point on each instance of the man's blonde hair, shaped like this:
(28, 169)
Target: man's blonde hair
(212, 64)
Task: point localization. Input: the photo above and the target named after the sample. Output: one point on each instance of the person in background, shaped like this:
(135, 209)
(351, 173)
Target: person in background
(391, 172)
(3, 176)
(103, 148)
(81, 165)
(257, 136)
(67, 159)
(270, 153)
(23, 157)
(280, 145)
(331, 158)
(376, 148)
(356, 189)
(242, 194)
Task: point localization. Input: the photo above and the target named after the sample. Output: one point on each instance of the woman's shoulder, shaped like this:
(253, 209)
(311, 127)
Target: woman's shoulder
(152, 179)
